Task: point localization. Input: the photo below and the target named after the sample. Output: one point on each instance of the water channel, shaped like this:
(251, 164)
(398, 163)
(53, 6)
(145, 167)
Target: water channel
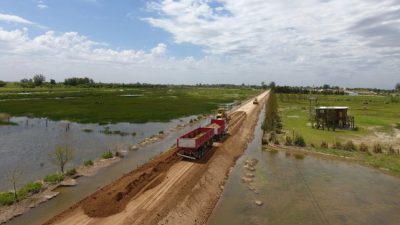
(309, 190)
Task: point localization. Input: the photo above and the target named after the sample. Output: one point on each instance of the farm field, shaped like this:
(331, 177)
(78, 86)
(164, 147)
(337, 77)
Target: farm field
(377, 120)
(112, 105)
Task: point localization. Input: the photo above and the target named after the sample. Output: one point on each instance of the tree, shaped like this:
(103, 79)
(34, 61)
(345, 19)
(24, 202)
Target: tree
(326, 86)
(61, 156)
(272, 85)
(263, 85)
(52, 82)
(397, 87)
(39, 79)
(13, 177)
(2, 83)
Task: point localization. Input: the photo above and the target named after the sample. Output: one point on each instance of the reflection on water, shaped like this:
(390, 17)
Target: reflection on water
(27, 145)
(88, 185)
(307, 190)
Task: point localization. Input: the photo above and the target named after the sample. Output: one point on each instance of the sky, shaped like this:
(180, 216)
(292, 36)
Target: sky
(350, 43)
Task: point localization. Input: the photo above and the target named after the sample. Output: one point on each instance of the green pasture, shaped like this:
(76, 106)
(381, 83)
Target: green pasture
(111, 105)
(379, 113)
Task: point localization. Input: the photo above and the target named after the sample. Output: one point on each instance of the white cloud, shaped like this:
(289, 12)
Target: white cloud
(18, 20)
(351, 39)
(15, 19)
(42, 5)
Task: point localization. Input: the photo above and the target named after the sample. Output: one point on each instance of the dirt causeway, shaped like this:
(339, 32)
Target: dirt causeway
(168, 190)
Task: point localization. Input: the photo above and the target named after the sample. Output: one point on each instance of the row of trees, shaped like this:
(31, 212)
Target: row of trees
(272, 121)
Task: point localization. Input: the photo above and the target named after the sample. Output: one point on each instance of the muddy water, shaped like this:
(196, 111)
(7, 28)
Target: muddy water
(88, 185)
(27, 145)
(309, 190)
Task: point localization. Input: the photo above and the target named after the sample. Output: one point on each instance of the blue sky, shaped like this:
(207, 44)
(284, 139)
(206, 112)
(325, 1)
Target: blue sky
(350, 43)
(119, 25)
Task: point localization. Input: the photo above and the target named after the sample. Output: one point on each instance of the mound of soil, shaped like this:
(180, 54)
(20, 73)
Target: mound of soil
(113, 198)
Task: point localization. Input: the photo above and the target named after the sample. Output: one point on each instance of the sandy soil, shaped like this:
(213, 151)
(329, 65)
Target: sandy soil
(169, 190)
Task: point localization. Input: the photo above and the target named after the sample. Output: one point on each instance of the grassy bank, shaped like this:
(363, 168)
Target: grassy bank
(106, 105)
(372, 113)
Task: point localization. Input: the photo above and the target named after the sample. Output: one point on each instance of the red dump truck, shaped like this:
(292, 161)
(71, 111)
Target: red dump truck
(195, 143)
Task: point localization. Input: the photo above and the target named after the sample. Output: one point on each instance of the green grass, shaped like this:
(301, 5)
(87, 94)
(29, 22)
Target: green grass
(107, 155)
(8, 198)
(106, 105)
(54, 178)
(378, 114)
(88, 163)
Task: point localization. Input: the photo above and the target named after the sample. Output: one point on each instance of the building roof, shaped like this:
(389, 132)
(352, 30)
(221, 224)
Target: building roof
(332, 107)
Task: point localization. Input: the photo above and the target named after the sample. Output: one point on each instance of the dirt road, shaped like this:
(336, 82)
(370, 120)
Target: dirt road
(168, 190)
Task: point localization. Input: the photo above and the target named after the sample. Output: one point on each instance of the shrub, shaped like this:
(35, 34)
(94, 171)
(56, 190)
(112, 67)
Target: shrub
(338, 145)
(7, 198)
(29, 188)
(88, 163)
(312, 145)
(71, 172)
(87, 130)
(363, 147)
(391, 150)
(349, 146)
(133, 134)
(107, 155)
(32, 187)
(288, 141)
(276, 142)
(299, 141)
(324, 144)
(264, 141)
(377, 148)
(54, 178)
(272, 137)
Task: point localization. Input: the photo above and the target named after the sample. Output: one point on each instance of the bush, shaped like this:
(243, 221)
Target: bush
(338, 145)
(272, 137)
(71, 172)
(324, 144)
(377, 148)
(350, 146)
(288, 141)
(54, 178)
(363, 147)
(32, 187)
(264, 141)
(7, 198)
(312, 145)
(299, 141)
(391, 150)
(88, 163)
(107, 155)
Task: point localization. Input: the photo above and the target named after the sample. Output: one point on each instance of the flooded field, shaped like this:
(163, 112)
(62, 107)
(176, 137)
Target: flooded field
(26, 146)
(87, 185)
(306, 190)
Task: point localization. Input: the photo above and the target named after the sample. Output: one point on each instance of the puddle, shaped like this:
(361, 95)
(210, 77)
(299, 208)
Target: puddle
(306, 190)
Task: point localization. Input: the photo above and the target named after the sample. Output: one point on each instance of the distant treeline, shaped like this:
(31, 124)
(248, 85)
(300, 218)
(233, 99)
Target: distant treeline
(327, 90)
(308, 90)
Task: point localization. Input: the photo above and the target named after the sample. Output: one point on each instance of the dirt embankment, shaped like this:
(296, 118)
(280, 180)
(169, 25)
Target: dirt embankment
(168, 190)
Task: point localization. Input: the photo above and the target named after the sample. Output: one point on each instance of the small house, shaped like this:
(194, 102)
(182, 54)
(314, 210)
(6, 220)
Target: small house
(333, 117)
